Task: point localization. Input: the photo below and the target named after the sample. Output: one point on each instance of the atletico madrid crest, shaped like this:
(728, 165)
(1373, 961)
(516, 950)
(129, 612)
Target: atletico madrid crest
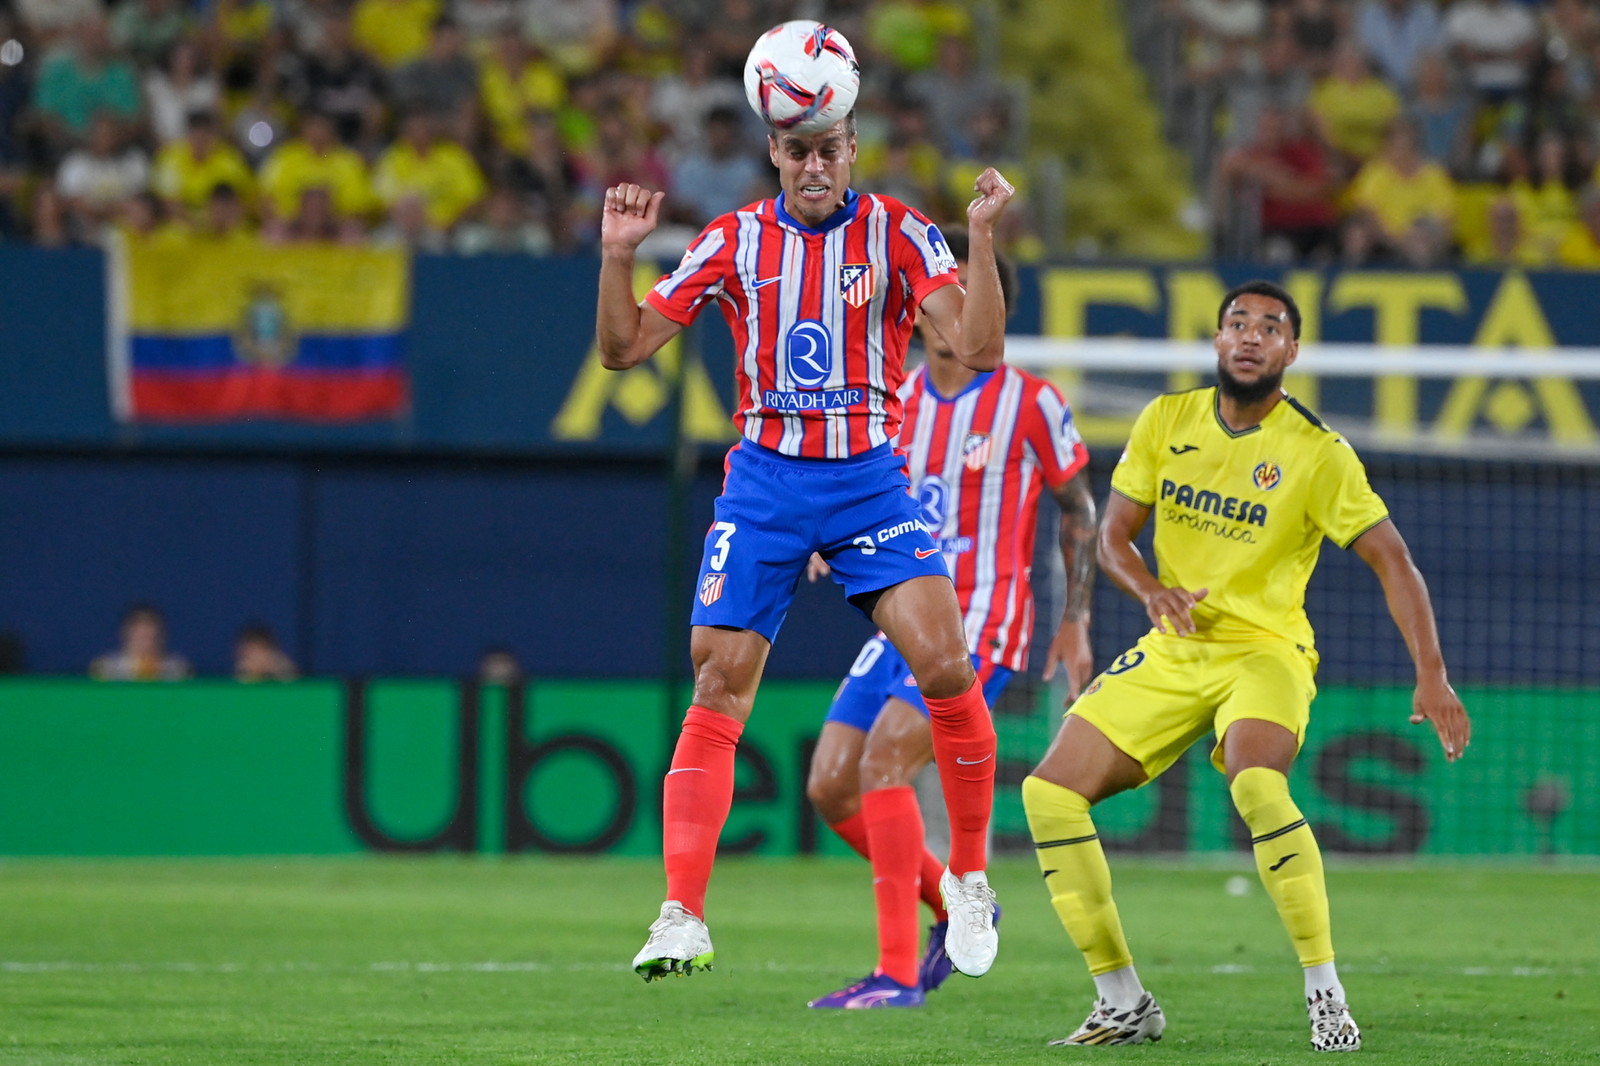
(711, 588)
(975, 451)
(857, 282)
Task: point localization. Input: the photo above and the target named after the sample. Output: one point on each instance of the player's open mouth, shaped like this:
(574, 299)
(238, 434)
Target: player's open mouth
(814, 192)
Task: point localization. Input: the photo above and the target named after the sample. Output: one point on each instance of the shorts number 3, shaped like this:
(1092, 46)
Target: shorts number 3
(720, 554)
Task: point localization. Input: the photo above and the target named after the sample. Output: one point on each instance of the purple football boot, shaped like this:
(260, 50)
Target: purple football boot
(874, 990)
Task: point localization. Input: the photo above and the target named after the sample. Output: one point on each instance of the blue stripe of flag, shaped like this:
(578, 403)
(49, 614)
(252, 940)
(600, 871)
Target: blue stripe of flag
(382, 351)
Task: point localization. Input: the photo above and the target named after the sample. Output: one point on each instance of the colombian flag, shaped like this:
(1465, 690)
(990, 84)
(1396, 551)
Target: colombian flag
(205, 331)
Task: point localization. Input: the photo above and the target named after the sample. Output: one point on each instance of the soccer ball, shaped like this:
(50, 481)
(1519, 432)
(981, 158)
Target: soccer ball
(802, 76)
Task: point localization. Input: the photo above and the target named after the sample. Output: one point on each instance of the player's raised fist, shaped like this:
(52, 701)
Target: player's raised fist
(629, 216)
(994, 192)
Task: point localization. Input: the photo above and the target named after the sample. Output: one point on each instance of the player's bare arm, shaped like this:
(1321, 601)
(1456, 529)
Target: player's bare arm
(1125, 566)
(1384, 549)
(627, 332)
(973, 324)
(1071, 648)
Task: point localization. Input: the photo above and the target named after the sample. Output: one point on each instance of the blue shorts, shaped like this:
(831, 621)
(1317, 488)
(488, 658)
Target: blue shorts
(775, 511)
(881, 672)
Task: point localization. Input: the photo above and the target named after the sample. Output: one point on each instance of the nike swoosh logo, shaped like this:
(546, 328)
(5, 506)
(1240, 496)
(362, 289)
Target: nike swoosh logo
(1283, 860)
(1185, 448)
(973, 762)
(923, 553)
(765, 282)
(687, 770)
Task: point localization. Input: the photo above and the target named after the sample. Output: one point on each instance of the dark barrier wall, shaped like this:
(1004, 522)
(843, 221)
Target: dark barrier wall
(416, 567)
(318, 767)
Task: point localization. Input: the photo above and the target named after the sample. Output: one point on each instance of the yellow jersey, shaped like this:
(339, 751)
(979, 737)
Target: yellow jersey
(446, 179)
(180, 176)
(296, 167)
(1243, 514)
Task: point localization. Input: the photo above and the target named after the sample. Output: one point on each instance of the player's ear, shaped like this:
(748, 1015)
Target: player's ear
(772, 147)
(852, 144)
(1294, 353)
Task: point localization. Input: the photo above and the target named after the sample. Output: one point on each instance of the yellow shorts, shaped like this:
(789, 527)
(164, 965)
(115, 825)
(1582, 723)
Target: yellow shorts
(1166, 692)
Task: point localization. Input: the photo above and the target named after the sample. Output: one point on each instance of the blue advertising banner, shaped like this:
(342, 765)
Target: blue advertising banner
(500, 357)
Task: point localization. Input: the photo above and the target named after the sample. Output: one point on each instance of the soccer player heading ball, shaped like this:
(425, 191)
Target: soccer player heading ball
(820, 287)
(1244, 483)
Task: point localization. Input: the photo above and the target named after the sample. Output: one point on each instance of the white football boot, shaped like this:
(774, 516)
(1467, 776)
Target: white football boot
(972, 940)
(1107, 1025)
(1332, 1028)
(679, 943)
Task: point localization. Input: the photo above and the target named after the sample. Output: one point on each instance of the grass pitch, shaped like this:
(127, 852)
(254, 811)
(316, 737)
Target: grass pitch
(526, 961)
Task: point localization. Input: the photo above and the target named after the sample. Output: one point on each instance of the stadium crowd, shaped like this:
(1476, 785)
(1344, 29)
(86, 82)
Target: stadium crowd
(1400, 131)
(465, 125)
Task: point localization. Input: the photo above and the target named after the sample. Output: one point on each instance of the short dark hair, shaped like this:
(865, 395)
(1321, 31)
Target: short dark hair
(257, 633)
(960, 244)
(143, 610)
(723, 113)
(849, 127)
(1262, 287)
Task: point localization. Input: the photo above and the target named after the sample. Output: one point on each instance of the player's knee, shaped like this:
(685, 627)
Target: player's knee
(834, 798)
(946, 677)
(885, 766)
(715, 690)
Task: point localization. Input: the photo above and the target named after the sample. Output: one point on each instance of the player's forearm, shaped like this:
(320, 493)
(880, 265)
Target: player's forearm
(1078, 535)
(617, 317)
(1120, 561)
(981, 346)
(1412, 611)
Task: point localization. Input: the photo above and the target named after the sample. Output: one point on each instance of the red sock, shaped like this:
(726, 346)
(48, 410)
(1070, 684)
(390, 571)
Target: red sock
(853, 831)
(894, 829)
(963, 746)
(697, 794)
(932, 870)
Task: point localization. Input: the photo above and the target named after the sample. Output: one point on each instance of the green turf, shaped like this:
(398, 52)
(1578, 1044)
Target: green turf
(520, 961)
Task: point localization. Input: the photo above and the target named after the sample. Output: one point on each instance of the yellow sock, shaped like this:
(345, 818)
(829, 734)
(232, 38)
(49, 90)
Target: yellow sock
(1288, 860)
(1076, 873)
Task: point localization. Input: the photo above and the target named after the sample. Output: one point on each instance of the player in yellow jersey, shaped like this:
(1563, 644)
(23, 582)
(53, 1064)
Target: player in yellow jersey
(1244, 483)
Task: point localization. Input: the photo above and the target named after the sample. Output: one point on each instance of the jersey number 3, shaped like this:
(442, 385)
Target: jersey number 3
(719, 553)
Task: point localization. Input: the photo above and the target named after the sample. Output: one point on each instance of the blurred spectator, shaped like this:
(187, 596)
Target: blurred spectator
(483, 21)
(952, 92)
(188, 169)
(442, 82)
(1404, 205)
(1494, 40)
(1441, 114)
(909, 166)
(499, 666)
(1581, 248)
(1314, 26)
(505, 229)
(544, 175)
(15, 78)
(263, 120)
(50, 21)
(909, 31)
(408, 226)
(1286, 172)
(1396, 34)
(143, 655)
(682, 102)
(422, 165)
(305, 22)
(177, 90)
(147, 29)
(512, 80)
(1572, 29)
(82, 80)
(95, 179)
(316, 160)
(1220, 31)
(49, 218)
(342, 83)
(1353, 107)
(257, 657)
(225, 218)
(314, 221)
(576, 34)
(622, 156)
(719, 178)
(1546, 208)
(1277, 80)
(393, 32)
(139, 216)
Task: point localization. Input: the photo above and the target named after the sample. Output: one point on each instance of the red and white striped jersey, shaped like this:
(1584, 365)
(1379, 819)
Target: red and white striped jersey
(977, 463)
(821, 317)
